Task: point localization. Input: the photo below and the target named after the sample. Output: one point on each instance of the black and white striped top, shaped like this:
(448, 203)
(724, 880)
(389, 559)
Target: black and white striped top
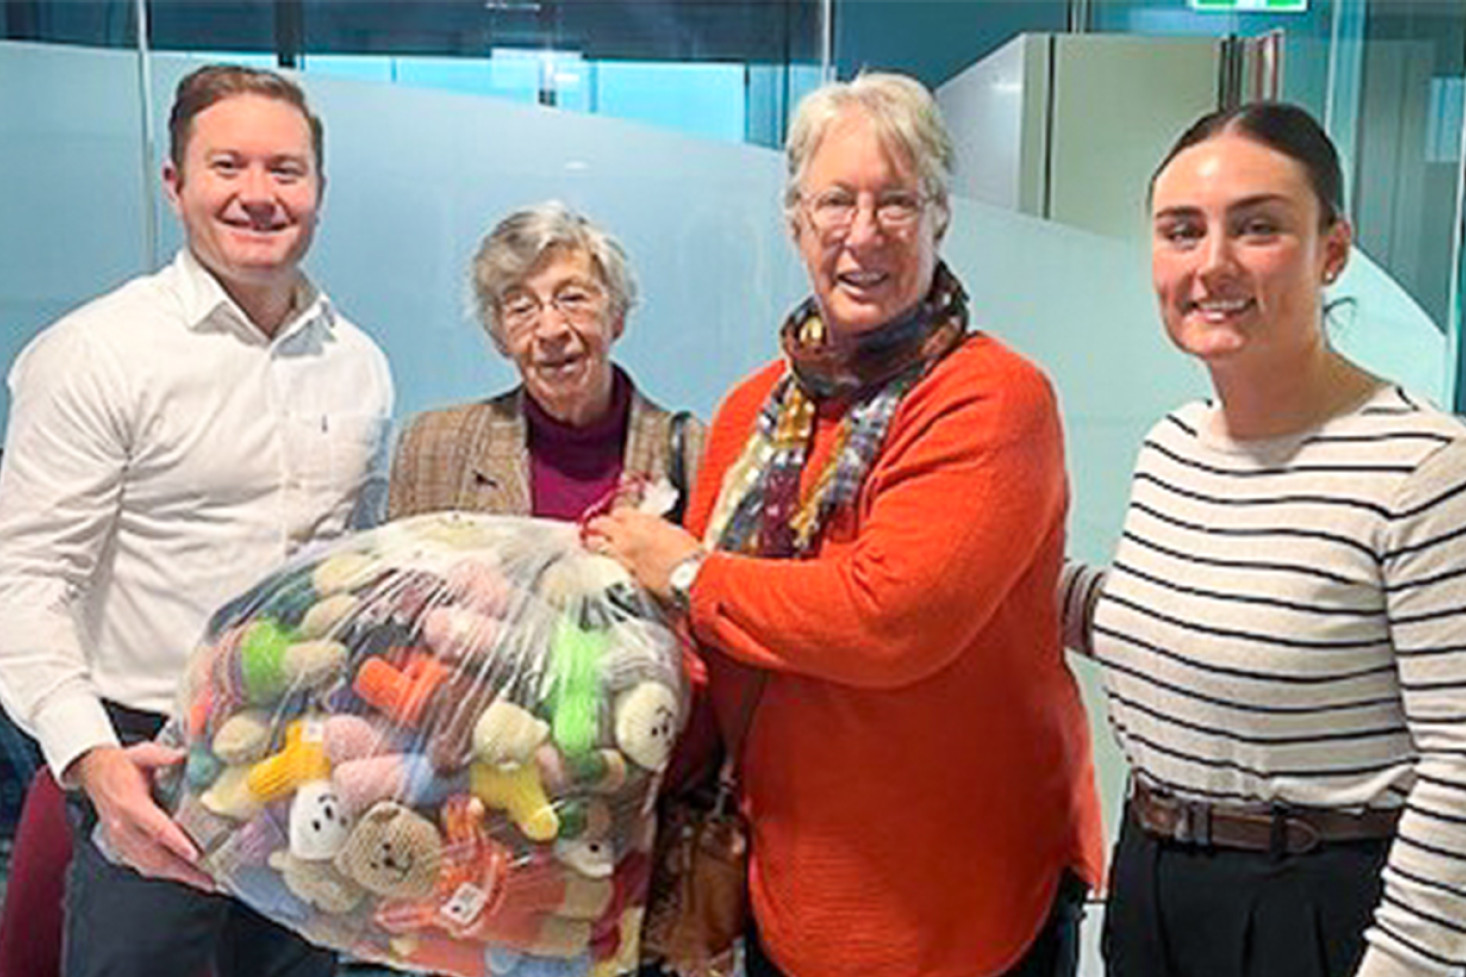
(1285, 620)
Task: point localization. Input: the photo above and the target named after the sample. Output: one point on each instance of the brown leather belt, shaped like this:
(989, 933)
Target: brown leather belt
(1291, 830)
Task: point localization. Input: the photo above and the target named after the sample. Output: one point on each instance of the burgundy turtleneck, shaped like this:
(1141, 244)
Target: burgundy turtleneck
(572, 468)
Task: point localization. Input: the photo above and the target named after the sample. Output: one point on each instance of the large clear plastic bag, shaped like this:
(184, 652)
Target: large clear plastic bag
(437, 745)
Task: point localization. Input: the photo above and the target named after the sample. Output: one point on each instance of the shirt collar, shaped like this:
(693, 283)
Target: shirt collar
(206, 303)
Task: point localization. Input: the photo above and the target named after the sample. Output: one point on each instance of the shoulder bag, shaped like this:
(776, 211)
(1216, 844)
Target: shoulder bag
(697, 905)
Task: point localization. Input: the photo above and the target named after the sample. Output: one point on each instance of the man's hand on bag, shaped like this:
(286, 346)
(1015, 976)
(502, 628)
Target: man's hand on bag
(136, 829)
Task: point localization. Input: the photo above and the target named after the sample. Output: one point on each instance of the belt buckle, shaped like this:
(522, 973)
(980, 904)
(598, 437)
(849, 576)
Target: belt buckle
(1299, 836)
(1193, 823)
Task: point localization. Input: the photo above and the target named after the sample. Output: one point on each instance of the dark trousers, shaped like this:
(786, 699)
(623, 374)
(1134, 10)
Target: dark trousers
(1177, 910)
(1054, 952)
(120, 924)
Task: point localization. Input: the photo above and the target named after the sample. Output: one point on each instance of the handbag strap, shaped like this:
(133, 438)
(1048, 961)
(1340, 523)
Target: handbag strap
(733, 748)
(677, 462)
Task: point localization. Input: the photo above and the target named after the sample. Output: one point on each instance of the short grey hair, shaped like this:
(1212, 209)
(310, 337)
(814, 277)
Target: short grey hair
(520, 243)
(906, 119)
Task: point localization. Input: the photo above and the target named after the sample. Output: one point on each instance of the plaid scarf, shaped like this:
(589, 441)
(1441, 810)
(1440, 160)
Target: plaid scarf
(759, 508)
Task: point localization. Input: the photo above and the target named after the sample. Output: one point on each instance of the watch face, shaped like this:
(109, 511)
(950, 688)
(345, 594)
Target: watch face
(682, 575)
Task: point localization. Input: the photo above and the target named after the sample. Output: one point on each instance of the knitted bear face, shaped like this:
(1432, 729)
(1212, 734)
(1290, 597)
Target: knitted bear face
(646, 724)
(393, 852)
(319, 822)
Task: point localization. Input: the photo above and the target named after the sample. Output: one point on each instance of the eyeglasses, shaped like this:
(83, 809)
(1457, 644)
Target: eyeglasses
(832, 213)
(579, 304)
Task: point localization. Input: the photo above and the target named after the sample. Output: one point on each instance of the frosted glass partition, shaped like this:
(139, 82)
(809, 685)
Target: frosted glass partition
(1380, 325)
(70, 163)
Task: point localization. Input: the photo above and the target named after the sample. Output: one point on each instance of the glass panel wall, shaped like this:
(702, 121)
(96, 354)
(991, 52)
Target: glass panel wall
(72, 162)
(933, 39)
(1386, 77)
(726, 70)
(698, 67)
(1306, 34)
(105, 23)
(1406, 145)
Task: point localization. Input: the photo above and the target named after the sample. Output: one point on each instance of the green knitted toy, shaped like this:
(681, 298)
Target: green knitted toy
(575, 692)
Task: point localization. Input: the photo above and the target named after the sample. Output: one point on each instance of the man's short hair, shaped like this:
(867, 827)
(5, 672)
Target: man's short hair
(214, 83)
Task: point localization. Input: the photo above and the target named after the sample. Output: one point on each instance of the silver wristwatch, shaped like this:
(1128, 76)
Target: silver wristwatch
(679, 581)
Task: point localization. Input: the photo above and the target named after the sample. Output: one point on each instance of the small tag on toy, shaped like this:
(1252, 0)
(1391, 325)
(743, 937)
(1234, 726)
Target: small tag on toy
(313, 731)
(465, 905)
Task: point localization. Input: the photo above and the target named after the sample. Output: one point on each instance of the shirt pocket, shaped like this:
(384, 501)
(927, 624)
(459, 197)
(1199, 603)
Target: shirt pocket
(334, 453)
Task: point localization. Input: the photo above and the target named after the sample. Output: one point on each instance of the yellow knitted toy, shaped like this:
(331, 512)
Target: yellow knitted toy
(519, 792)
(302, 759)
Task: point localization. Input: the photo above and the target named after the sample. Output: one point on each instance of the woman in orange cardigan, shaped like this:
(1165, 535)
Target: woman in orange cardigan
(881, 516)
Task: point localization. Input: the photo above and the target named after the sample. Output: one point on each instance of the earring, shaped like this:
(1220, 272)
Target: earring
(1329, 275)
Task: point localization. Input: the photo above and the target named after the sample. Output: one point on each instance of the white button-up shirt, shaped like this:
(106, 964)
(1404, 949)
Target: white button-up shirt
(162, 455)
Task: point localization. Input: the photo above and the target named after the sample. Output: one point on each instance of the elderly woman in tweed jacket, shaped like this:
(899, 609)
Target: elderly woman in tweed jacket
(553, 291)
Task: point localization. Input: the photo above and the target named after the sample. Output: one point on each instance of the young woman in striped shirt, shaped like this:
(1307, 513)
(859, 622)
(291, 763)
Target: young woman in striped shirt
(1283, 627)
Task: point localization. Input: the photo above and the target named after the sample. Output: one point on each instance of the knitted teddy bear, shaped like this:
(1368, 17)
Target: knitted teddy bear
(393, 852)
(469, 877)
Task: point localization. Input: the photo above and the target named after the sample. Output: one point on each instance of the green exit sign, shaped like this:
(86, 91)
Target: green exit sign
(1251, 6)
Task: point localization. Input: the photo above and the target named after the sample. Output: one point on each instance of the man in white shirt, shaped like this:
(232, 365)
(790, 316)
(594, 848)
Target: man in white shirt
(168, 444)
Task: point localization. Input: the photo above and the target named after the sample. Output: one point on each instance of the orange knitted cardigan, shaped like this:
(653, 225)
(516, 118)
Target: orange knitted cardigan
(918, 772)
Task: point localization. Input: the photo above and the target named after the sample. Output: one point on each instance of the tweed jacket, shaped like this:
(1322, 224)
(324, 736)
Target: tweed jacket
(475, 456)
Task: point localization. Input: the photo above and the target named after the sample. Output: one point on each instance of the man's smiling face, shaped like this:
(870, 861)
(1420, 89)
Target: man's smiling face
(248, 192)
